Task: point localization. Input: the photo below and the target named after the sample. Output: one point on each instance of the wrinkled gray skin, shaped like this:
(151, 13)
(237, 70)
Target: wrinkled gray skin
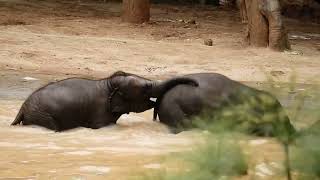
(181, 103)
(88, 103)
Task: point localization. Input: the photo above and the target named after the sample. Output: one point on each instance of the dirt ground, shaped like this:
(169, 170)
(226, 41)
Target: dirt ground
(89, 39)
(54, 39)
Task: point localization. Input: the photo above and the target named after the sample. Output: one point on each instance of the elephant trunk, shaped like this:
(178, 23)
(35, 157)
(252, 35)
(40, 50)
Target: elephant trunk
(160, 88)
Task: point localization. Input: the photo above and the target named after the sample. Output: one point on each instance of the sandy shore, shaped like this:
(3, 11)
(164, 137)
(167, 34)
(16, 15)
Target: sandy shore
(90, 40)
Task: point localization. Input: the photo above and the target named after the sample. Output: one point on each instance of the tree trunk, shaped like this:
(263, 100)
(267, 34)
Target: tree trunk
(257, 25)
(243, 10)
(265, 27)
(136, 11)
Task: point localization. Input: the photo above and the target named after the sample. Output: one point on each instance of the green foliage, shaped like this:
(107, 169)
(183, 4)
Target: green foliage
(250, 112)
(218, 158)
(155, 175)
(306, 154)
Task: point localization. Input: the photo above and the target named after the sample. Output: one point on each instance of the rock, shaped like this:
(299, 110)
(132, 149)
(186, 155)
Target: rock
(293, 52)
(30, 79)
(294, 37)
(277, 73)
(191, 21)
(208, 42)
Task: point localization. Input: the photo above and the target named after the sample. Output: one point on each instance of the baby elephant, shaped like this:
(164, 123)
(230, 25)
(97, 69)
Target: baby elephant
(88, 103)
(220, 98)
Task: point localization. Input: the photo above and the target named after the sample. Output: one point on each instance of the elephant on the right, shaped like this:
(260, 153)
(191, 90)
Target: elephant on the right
(221, 97)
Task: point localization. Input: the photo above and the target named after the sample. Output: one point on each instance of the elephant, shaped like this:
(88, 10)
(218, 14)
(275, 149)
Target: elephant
(216, 95)
(79, 102)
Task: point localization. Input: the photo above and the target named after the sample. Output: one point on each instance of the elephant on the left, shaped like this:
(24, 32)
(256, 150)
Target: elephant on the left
(78, 102)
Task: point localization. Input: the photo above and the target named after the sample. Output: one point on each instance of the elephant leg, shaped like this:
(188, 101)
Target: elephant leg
(54, 124)
(100, 120)
(173, 116)
(42, 119)
(97, 125)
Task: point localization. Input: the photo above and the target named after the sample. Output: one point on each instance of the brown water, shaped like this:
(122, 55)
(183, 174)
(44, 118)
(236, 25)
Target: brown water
(135, 144)
(30, 152)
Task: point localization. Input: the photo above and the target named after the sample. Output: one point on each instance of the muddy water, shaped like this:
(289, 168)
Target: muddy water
(136, 143)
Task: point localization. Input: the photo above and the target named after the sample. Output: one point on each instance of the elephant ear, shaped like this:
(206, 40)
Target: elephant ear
(135, 87)
(119, 73)
(118, 78)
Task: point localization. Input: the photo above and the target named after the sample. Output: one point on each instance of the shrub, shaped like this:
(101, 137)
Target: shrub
(217, 157)
(306, 153)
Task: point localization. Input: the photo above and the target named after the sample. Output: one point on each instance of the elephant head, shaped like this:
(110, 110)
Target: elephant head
(132, 93)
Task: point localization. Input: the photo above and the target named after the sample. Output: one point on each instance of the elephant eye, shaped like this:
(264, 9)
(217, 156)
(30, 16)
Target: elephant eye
(123, 95)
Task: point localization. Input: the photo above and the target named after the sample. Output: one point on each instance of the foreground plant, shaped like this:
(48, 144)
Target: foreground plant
(306, 153)
(220, 155)
(217, 157)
